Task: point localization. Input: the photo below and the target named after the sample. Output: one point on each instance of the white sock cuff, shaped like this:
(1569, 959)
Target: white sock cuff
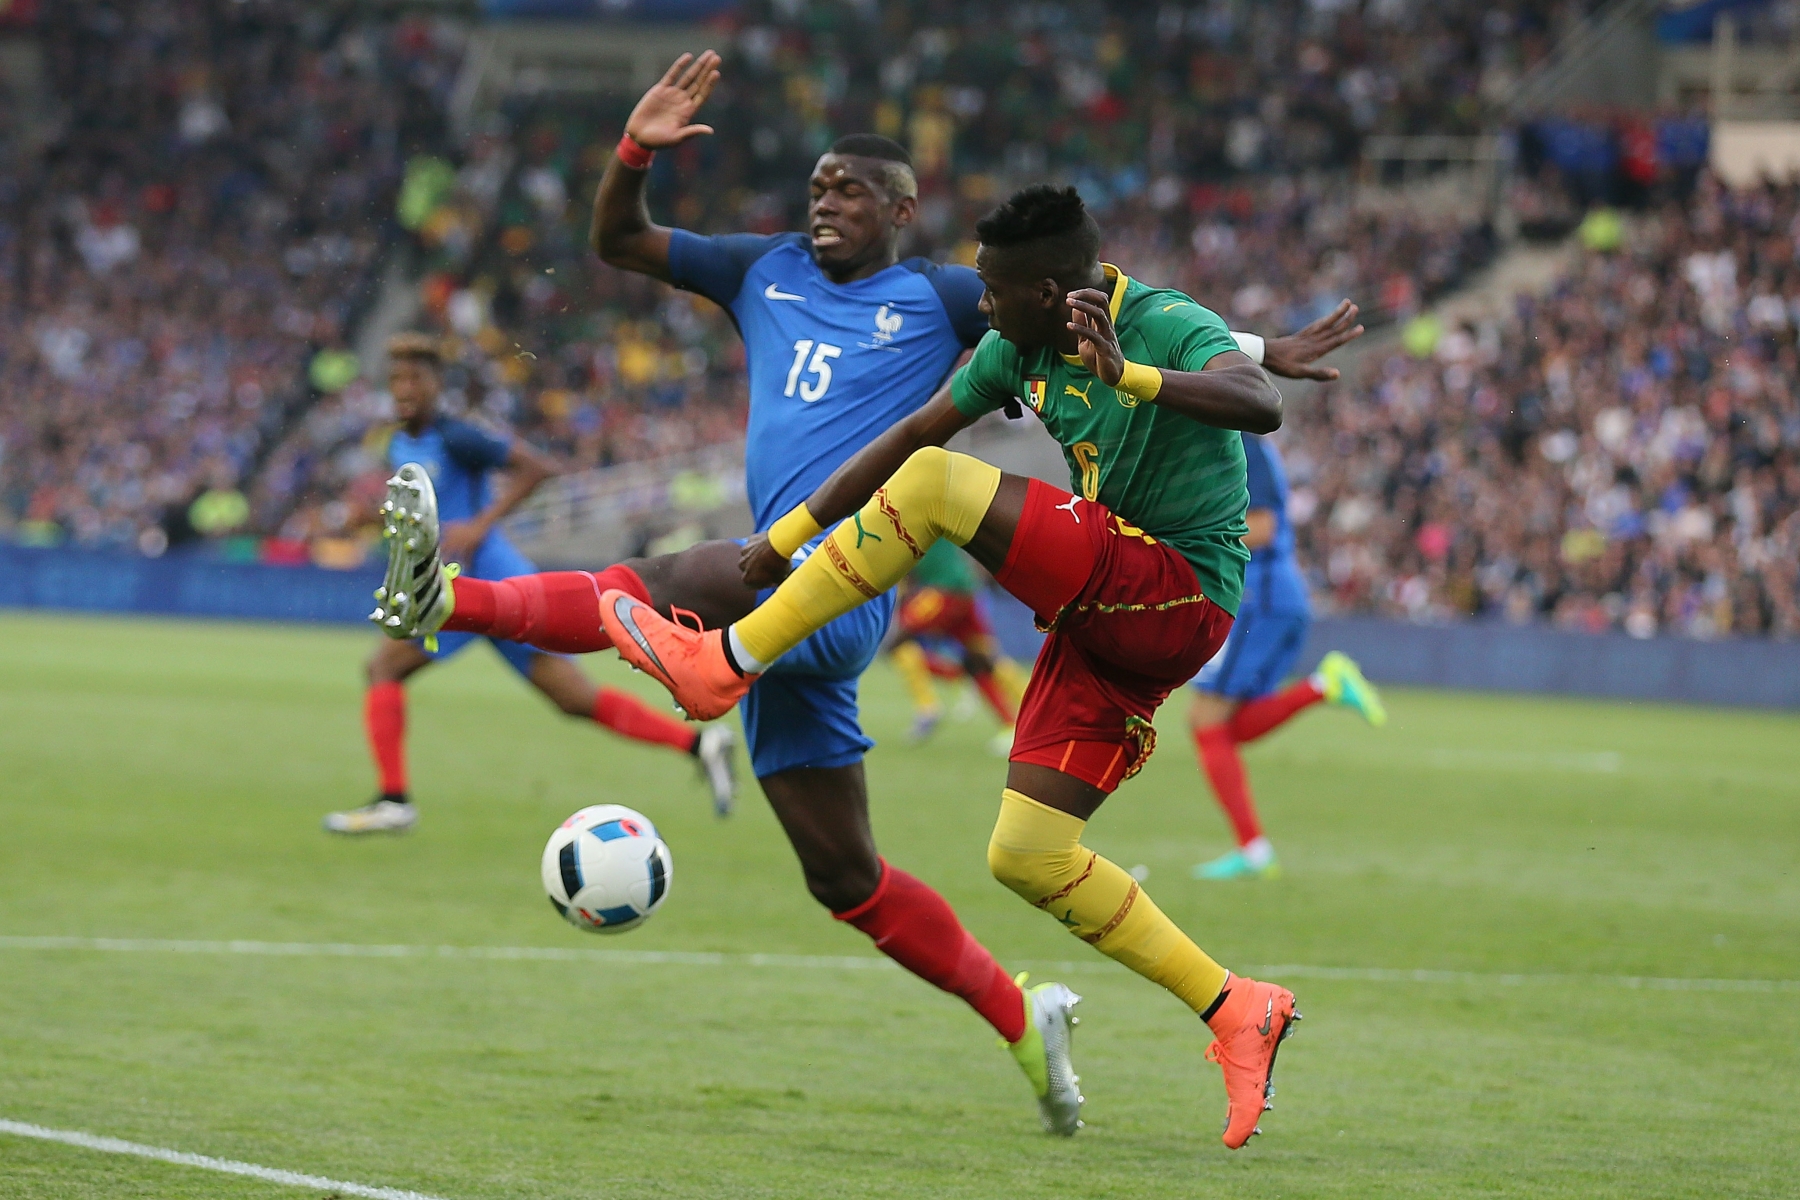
(750, 663)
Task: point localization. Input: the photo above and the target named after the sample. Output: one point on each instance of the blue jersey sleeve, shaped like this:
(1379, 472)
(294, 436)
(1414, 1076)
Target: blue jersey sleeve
(715, 266)
(1265, 492)
(474, 448)
(959, 290)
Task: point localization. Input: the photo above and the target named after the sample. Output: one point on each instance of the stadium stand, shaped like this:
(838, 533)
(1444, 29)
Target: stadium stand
(180, 265)
(1623, 453)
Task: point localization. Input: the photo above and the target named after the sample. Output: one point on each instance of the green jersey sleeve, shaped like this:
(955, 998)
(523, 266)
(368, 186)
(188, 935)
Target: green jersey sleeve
(1188, 335)
(989, 379)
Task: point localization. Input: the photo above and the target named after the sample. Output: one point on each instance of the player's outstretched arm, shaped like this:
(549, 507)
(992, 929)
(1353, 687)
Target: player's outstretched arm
(1230, 392)
(1292, 356)
(623, 234)
(766, 558)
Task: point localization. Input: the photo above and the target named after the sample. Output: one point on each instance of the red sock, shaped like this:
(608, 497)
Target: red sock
(997, 699)
(384, 717)
(942, 668)
(1254, 718)
(1219, 758)
(558, 611)
(630, 717)
(917, 928)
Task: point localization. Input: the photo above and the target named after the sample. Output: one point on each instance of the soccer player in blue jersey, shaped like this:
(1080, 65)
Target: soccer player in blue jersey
(460, 459)
(1238, 695)
(843, 338)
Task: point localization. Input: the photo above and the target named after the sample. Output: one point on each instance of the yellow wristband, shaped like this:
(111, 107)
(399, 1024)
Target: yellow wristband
(794, 531)
(1139, 381)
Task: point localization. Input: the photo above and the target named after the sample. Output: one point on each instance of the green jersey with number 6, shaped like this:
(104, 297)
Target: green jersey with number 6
(1178, 480)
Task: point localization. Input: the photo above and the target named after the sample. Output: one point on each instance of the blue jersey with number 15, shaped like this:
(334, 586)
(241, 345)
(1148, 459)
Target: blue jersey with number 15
(831, 365)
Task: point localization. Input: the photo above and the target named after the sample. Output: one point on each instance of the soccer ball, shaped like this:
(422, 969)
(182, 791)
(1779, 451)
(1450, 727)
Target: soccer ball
(606, 870)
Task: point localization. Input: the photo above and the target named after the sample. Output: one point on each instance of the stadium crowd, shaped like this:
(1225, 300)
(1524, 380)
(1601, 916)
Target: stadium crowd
(1623, 453)
(182, 257)
(183, 266)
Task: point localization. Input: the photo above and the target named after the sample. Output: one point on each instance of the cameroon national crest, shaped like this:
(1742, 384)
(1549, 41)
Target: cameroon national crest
(1036, 386)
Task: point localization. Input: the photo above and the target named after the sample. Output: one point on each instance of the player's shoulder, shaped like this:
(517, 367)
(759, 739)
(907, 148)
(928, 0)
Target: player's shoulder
(1159, 305)
(470, 443)
(958, 289)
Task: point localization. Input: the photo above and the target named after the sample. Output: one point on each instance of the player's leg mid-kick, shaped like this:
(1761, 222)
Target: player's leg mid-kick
(1135, 575)
(1056, 780)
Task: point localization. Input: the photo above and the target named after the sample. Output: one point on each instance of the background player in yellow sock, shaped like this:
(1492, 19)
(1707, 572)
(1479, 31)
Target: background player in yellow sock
(941, 601)
(1135, 577)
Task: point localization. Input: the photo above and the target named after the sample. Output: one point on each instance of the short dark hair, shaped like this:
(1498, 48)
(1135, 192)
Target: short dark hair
(872, 145)
(897, 177)
(1049, 227)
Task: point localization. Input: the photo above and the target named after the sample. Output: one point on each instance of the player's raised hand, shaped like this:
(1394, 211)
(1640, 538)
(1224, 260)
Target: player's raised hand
(1291, 356)
(762, 564)
(1091, 320)
(664, 117)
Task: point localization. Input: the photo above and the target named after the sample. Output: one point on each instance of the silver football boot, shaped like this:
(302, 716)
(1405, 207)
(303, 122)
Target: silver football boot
(414, 599)
(1043, 1054)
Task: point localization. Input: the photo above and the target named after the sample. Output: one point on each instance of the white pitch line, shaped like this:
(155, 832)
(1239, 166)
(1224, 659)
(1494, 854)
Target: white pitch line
(182, 1158)
(859, 962)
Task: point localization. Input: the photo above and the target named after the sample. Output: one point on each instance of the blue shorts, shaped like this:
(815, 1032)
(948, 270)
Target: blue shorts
(1258, 654)
(495, 558)
(803, 712)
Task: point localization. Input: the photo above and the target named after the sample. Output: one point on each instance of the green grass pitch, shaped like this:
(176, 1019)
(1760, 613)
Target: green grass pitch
(165, 780)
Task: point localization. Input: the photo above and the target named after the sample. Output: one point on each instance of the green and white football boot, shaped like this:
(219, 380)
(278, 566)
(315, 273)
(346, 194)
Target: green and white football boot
(415, 598)
(1043, 1054)
(1343, 683)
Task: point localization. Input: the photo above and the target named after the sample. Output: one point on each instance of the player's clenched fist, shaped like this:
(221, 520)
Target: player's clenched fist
(664, 116)
(762, 564)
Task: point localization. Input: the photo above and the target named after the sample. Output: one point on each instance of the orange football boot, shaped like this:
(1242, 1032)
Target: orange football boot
(691, 663)
(1248, 1029)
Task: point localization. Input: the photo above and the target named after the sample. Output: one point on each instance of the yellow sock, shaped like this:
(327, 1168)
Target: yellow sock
(934, 494)
(1037, 852)
(1012, 679)
(909, 660)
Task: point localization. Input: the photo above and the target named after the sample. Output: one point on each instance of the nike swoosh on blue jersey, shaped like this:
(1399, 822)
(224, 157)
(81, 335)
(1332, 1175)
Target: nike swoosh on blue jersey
(774, 293)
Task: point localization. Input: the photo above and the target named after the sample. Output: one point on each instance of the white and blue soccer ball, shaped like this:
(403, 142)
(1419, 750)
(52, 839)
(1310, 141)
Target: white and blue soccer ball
(606, 870)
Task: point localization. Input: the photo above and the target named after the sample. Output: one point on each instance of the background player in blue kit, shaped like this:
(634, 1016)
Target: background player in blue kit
(842, 339)
(461, 458)
(1236, 696)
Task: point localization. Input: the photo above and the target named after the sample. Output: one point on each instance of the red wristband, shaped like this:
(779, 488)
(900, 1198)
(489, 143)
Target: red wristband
(634, 155)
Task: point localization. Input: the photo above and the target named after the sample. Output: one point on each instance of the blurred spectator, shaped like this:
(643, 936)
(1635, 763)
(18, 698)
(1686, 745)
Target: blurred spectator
(206, 221)
(1623, 454)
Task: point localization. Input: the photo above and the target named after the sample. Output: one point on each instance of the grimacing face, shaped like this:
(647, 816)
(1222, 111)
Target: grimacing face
(1026, 312)
(851, 217)
(414, 384)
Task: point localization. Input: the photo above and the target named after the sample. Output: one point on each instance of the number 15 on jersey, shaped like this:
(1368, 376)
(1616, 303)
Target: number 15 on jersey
(811, 390)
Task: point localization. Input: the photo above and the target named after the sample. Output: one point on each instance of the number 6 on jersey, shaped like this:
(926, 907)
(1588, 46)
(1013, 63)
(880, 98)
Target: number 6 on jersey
(820, 366)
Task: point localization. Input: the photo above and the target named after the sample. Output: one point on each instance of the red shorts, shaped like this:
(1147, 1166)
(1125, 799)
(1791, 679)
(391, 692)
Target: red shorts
(1127, 625)
(933, 612)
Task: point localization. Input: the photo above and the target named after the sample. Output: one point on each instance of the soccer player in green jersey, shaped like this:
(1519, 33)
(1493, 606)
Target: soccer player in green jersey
(1135, 575)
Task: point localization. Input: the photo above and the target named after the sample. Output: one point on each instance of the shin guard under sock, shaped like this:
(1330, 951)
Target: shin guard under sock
(1225, 771)
(1253, 718)
(934, 494)
(630, 717)
(917, 928)
(558, 611)
(1037, 852)
(384, 719)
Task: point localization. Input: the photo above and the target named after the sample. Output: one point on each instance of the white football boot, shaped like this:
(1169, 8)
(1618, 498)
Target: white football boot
(380, 816)
(1043, 1054)
(716, 751)
(415, 598)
